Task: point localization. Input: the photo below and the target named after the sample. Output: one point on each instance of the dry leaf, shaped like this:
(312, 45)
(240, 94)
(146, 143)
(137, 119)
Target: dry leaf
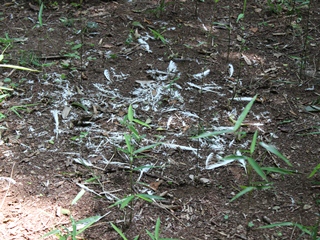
(270, 70)
(254, 29)
(95, 111)
(84, 77)
(147, 21)
(239, 38)
(79, 91)
(65, 112)
(144, 82)
(278, 34)
(136, 33)
(34, 7)
(247, 60)
(154, 93)
(257, 10)
(107, 45)
(155, 185)
(277, 55)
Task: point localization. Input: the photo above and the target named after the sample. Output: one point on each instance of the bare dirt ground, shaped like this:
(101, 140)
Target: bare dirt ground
(62, 127)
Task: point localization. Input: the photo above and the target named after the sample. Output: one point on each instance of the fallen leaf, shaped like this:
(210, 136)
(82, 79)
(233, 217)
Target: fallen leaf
(83, 76)
(155, 185)
(79, 91)
(95, 111)
(65, 211)
(257, 10)
(278, 34)
(107, 45)
(277, 55)
(34, 7)
(136, 33)
(270, 70)
(247, 60)
(147, 21)
(239, 38)
(205, 180)
(254, 29)
(65, 112)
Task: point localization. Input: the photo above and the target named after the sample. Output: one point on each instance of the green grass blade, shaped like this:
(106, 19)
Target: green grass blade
(13, 109)
(74, 228)
(53, 232)
(158, 35)
(256, 168)
(278, 170)
(244, 114)
(123, 202)
(280, 224)
(253, 143)
(209, 134)
(150, 235)
(119, 231)
(87, 222)
(77, 46)
(273, 150)
(148, 197)
(287, 224)
(304, 229)
(143, 149)
(240, 16)
(157, 229)
(141, 123)
(18, 67)
(135, 132)
(130, 113)
(80, 105)
(314, 171)
(126, 201)
(234, 157)
(137, 24)
(4, 96)
(79, 195)
(244, 191)
(128, 143)
(5, 88)
(40, 15)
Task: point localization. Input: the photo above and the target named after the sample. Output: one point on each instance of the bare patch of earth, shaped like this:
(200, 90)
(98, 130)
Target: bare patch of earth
(172, 66)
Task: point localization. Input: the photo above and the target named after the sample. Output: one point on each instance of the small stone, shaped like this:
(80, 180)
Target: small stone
(307, 206)
(266, 219)
(205, 180)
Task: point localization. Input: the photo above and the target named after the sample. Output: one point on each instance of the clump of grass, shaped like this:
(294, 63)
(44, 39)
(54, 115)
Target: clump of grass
(133, 151)
(248, 160)
(153, 236)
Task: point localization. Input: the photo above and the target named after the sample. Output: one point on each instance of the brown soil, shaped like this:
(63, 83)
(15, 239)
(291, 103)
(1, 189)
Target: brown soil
(93, 66)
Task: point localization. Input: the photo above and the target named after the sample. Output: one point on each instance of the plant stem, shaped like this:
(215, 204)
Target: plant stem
(305, 46)
(229, 36)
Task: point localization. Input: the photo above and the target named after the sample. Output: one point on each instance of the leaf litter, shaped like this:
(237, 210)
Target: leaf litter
(146, 97)
(172, 118)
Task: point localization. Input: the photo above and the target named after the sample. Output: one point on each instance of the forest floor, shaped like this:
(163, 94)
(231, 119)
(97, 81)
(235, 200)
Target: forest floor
(186, 68)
